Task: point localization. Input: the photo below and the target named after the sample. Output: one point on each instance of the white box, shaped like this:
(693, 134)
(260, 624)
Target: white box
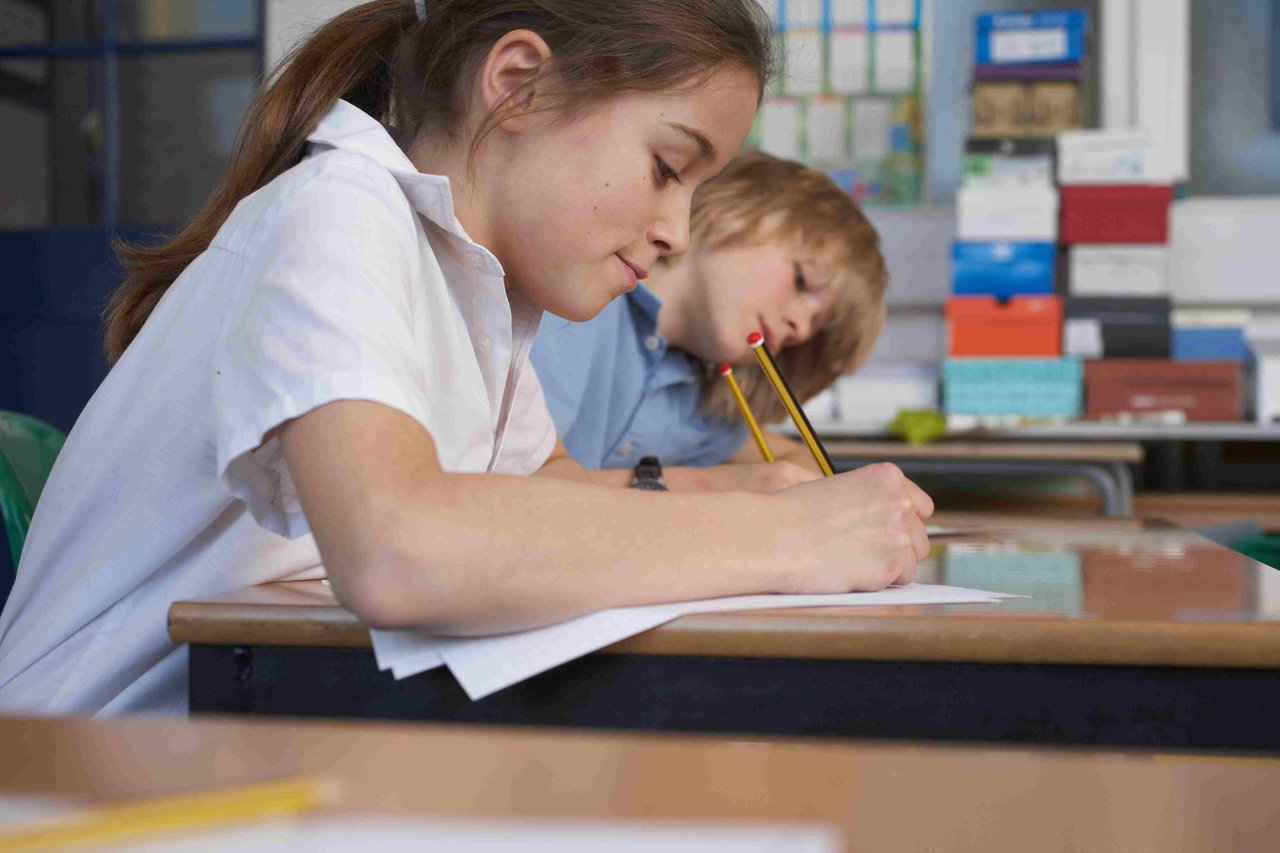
(1029, 214)
(1225, 250)
(1110, 157)
(1265, 341)
(1118, 270)
(871, 398)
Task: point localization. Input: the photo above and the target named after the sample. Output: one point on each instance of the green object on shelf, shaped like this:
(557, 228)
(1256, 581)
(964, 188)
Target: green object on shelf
(918, 426)
(1264, 549)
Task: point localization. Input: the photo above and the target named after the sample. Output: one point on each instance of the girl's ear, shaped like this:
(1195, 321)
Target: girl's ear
(508, 78)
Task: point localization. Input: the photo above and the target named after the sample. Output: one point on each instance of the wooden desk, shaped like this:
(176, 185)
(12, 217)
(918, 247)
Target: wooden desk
(880, 797)
(1105, 464)
(1131, 636)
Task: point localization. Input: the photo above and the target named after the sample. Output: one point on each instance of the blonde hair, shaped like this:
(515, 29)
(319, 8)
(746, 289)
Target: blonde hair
(758, 199)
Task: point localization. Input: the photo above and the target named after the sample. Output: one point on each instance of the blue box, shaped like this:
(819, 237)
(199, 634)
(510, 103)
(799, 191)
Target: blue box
(1002, 269)
(1025, 387)
(1210, 344)
(1030, 38)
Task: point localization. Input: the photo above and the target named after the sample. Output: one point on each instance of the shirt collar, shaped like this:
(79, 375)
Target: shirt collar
(645, 306)
(348, 128)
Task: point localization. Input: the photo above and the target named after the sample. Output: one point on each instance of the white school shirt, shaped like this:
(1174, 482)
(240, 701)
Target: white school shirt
(348, 277)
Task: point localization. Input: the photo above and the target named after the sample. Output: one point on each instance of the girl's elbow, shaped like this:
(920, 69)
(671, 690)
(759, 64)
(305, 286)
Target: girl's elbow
(382, 595)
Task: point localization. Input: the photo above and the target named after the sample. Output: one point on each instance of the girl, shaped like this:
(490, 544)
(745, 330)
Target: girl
(776, 247)
(337, 346)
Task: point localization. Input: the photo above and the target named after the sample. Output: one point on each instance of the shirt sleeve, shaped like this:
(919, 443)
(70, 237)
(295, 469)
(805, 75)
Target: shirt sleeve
(323, 315)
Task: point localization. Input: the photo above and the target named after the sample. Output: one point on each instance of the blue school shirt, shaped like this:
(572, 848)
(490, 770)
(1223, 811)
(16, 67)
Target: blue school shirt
(617, 392)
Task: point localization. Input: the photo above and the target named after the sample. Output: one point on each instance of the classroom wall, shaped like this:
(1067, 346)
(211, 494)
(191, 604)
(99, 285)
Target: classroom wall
(289, 20)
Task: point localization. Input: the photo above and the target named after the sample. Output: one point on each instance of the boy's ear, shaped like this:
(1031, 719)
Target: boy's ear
(508, 78)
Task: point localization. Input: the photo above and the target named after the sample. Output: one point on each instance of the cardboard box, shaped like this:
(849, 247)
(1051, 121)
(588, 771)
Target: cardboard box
(1116, 214)
(1201, 391)
(1125, 327)
(1110, 157)
(1026, 215)
(1225, 250)
(1016, 387)
(1008, 163)
(1025, 108)
(1118, 270)
(1024, 38)
(1002, 269)
(1022, 326)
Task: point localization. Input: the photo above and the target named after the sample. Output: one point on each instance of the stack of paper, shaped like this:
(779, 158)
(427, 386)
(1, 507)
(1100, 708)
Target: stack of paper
(484, 665)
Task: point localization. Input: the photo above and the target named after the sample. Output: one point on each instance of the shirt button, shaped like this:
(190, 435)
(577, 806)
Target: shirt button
(652, 342)
(484, 341)
(627, 448)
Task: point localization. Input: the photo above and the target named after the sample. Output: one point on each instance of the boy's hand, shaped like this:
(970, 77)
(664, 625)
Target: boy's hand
(860, 531)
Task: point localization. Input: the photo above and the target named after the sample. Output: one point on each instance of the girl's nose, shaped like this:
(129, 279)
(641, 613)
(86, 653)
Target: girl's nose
(670, 231)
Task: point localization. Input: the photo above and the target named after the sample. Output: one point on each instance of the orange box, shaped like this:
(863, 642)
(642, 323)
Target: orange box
(1025, 325)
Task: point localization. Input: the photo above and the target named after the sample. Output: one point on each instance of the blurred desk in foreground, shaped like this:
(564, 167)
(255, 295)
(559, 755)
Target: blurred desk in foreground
(877, 796)
(1105, 464)
(1129, 636)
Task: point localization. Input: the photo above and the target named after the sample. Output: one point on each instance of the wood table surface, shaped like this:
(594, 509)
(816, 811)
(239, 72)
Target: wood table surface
(880, 797)
(1098, 592)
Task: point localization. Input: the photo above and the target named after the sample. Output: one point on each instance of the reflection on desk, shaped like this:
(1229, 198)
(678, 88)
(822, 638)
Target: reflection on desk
(1130, 636)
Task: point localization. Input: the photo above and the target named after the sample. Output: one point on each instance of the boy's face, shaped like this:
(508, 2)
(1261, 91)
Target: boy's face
(776, 287)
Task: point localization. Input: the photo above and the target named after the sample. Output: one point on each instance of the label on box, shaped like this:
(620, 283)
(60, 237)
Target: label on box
(1083, 337)
(1009, 46)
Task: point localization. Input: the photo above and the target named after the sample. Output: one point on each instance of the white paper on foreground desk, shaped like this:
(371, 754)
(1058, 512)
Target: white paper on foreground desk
(485, 665)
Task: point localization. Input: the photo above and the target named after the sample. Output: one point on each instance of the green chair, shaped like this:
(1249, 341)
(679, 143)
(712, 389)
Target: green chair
(28, 447)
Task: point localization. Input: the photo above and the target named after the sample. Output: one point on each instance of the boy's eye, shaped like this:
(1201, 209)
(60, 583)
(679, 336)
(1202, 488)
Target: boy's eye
(665, 172)
(801, 284)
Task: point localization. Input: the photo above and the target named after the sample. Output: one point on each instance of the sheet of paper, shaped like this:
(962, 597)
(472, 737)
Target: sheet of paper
(780, 128)
(895, 61)
(804, 14)
(826, 137)
(804, 62)
(848, 13)
(895, 12)
(871, 120)
(849, 61)
(484, 665)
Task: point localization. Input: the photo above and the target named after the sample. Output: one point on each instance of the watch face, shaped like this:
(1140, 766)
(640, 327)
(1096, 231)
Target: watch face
(649, 486)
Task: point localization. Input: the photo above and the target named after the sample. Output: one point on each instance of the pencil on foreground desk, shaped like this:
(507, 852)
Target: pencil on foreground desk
(756, 341)
(727, 372)
(128, 820)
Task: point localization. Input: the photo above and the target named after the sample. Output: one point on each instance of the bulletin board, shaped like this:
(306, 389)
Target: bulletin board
(849, 98)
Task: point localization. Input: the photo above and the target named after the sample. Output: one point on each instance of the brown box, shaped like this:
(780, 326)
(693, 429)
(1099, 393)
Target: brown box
(1202, 390)
(1052, 107)
(1025, 108)
(999, 108)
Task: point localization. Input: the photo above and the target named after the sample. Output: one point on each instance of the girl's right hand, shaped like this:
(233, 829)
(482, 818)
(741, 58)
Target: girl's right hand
(861, 531)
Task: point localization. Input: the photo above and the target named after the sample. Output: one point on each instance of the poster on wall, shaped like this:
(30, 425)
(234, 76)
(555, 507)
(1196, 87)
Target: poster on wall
(849, 96)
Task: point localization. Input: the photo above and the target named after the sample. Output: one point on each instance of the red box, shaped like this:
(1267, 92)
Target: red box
(1025, 325)
(1115, 214)
(1202, 390)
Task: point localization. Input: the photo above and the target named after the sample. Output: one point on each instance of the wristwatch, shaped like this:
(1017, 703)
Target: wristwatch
(648, 475)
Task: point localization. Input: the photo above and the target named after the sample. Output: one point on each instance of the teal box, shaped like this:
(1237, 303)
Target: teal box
(1023, 387)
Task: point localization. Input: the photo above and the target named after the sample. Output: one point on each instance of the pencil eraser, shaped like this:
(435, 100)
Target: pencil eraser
(755, 339)
(725, 370)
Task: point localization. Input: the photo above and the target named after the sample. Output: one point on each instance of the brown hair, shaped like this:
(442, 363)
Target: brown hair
(759, 199)
(416, 75)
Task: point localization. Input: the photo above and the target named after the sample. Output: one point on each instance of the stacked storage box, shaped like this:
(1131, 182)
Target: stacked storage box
(1116, 196)
(1004, 318)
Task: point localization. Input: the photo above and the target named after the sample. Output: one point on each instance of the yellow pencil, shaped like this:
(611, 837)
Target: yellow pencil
(727, 372)
(756, 341)
(127, 820)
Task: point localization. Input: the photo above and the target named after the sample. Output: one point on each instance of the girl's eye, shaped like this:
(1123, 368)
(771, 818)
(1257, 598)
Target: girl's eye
(801, 284)
(665, 172)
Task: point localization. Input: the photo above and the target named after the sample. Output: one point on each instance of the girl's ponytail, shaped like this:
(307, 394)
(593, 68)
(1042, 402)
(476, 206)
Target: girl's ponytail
(349, 57)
